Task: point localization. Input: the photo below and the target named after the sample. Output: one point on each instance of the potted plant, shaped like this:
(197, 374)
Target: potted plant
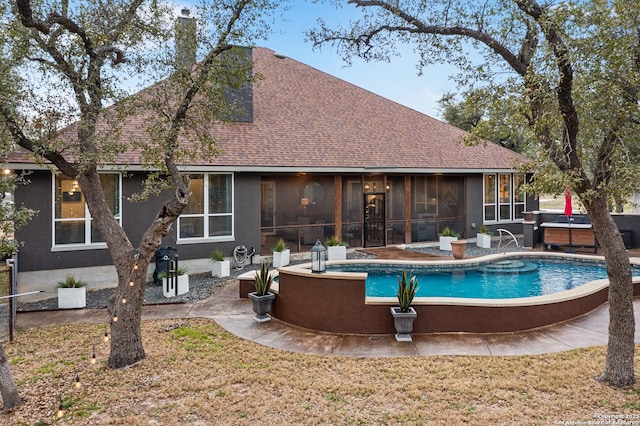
(280, 254)
(219, 266)
(336, 249)
(175, 286)
(446, 236)
(72, 293)
(483, 238)
(404, 314)
(262, 298)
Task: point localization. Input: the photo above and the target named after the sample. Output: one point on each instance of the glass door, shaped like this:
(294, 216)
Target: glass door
(374, 219)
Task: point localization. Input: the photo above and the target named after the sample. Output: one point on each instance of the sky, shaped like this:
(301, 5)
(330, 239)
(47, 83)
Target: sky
(398, 80)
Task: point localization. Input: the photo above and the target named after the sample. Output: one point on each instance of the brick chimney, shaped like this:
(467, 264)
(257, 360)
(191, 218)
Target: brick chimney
(185, 40)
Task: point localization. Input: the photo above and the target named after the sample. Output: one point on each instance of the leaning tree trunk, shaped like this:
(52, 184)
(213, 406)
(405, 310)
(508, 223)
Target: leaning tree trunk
(10, 397)
(619, 368)
(125, 310)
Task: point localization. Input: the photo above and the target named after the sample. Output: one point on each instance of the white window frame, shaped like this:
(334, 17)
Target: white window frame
(205, 215)
(88, 244)
(513, 199)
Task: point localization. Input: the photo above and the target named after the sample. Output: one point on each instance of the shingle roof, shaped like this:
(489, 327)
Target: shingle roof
(304, 118)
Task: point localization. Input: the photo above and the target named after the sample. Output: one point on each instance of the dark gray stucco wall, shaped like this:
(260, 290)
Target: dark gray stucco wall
(36, 254)
(474, 205)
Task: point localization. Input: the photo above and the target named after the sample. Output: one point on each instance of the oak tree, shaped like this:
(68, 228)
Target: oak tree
(573, 66)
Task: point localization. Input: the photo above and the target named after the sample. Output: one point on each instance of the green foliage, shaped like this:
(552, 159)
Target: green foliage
(407, 288)
(71, 282)
(484, 230)
(216, 255)
(280, 246)
(180, 271)
(264, 279)
(334, 240)
(448, 232)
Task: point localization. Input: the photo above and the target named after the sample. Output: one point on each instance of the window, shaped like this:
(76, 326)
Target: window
(72, 222)
(209, 214)
(502, 199)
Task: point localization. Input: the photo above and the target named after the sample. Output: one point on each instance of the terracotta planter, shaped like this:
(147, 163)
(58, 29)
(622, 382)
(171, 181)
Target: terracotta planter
(403, 321)
(528, 216)
(457, 247)
(262, 306)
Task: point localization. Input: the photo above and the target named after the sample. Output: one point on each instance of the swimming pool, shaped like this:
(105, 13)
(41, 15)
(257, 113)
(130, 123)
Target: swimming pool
(499, 279)
(337, 302)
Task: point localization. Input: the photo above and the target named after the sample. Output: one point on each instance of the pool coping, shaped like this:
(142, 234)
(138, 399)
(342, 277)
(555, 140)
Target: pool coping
(303, 269)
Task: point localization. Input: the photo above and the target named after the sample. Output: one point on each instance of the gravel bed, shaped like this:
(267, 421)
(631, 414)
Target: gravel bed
(201, 286)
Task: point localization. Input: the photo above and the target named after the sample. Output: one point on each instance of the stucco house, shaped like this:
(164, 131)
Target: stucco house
(313, 156)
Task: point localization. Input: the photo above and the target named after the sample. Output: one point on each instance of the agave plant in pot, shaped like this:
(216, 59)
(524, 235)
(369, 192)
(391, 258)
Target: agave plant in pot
(262, 298)
(336, 249)
(280, 254)
(404, 314)
(483, 238)
(72, 293)
(220, 267)
(446, 237)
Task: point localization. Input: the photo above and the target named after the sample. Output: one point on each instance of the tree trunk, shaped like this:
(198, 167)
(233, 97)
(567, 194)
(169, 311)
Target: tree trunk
(10, 397)
(125, 310)
(618, 369)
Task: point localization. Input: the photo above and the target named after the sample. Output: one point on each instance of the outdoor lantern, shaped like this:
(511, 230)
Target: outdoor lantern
(318, 257)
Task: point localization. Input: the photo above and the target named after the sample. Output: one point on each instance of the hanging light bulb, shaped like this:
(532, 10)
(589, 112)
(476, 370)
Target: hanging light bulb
(124, 300)
(77, 382)
(106, 334)
(135, 267)
(115, 318)
(93, 355)
(60, 410)
(130, 283)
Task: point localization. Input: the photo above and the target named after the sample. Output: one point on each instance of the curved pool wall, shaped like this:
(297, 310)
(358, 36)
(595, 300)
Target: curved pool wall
(336, 302)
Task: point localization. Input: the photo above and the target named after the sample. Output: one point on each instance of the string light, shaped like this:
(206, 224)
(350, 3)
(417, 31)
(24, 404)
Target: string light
(106, 334)
(93, 355)
(124, 300)
(130, 283)
(77, 383)
(115, 318)
(135, 267)
(60, 409)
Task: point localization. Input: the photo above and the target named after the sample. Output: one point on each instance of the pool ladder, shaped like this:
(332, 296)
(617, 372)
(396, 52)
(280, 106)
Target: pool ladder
(513, 240)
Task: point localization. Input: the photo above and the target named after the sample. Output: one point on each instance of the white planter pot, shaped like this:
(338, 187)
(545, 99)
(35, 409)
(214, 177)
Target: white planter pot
(221, 268)
(281, 258)
(483, 240)
(72, 298)
(169, 286)
(445, 242)
(337, 253)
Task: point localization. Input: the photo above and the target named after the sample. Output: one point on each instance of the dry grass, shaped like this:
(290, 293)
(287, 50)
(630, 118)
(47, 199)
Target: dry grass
(198, 374)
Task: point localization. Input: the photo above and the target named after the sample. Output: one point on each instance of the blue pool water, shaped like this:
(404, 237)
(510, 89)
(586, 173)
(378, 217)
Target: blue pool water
(504, 279)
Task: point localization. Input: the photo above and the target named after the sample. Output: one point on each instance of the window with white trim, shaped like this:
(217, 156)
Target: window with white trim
(503, 201)
(72, 223)
(209, 214)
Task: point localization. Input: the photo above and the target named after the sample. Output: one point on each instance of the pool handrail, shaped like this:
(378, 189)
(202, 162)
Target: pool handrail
(513, 240)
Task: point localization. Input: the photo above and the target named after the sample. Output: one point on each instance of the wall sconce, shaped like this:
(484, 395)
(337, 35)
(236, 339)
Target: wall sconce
(318, 258)
(304, 202)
